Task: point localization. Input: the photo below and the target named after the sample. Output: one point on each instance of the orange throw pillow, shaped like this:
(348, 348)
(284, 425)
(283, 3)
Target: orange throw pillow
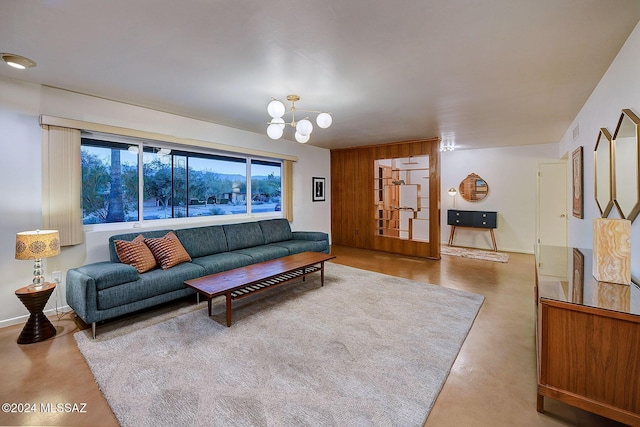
(135, 253)
(168, 250)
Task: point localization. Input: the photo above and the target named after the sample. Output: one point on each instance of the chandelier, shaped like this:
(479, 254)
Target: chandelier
(277, 110)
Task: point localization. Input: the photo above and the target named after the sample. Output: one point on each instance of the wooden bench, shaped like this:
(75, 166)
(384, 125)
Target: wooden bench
(244, 281)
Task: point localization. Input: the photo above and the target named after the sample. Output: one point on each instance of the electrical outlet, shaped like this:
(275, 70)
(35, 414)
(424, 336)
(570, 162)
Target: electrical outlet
(56, 276)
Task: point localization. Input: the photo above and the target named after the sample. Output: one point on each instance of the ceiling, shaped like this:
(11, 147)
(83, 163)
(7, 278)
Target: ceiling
(480, 73)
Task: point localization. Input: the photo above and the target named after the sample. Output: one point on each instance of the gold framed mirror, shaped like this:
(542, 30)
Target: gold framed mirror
(473, 188)
(602, 172)
(626, 162)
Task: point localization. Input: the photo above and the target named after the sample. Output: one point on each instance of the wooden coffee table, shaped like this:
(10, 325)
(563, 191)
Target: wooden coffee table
(244, 281)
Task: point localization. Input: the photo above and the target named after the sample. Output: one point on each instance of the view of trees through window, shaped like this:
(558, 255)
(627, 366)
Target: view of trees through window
(175, 183)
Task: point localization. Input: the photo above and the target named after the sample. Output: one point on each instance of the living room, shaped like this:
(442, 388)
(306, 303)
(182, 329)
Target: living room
(510, 172)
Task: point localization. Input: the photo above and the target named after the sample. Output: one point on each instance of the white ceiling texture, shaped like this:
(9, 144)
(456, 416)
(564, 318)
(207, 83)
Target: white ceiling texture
(480, 73)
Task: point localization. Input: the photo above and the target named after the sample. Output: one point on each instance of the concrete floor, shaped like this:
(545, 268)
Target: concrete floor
(492, 383)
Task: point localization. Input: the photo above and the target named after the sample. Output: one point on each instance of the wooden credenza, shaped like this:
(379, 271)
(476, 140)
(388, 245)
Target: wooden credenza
(587, 337)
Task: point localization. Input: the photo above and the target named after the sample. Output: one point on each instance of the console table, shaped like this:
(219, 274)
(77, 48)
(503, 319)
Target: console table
(587, 337)
(473, 219)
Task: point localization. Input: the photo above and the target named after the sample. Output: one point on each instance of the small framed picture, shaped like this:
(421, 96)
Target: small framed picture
(578, 203)
(577, 285)
(318, 189)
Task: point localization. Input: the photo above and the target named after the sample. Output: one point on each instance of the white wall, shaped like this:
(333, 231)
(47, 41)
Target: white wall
(511, 173)
(20, 210)
(619, 88)
(20, 186)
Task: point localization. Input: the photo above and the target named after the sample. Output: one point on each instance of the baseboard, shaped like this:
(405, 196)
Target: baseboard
(52, 312)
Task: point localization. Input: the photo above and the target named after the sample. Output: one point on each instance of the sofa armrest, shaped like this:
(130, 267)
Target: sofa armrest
(81, 295)
(310, 235)
(107, 274)
(83, 283)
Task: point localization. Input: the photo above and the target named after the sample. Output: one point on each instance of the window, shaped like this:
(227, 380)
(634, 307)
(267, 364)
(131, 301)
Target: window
(109, 182)
(266, 186)
(173, 183)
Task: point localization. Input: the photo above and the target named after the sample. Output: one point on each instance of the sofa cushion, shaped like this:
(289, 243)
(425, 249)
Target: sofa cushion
(130, 236)
(263, 253)
(150, 284)
(135, 253)
(276, 230)
(203, 241)
(243, 235)
(223, 261)
(168, 250)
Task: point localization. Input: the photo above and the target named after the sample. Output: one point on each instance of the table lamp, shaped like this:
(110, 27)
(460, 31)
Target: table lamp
(452, 192)
(37, 245)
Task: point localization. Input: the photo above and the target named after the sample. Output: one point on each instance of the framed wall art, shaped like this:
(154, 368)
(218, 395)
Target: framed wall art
(577, 283)
(318, 189)
(577, 183)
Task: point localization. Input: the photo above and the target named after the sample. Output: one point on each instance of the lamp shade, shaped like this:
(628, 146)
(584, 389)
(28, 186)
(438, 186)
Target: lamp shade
(37, 244)
(452, 192)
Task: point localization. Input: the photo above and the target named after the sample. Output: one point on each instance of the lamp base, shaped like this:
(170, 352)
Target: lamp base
(36, 286)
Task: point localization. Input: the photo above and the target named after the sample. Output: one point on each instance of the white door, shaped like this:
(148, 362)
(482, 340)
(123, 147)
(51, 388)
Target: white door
(552, 212)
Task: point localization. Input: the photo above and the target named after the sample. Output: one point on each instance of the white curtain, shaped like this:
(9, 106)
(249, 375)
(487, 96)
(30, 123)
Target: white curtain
(62, 183)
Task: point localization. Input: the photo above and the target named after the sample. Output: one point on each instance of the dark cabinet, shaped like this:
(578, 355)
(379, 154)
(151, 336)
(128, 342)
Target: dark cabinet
(475, 219)
(478, 219)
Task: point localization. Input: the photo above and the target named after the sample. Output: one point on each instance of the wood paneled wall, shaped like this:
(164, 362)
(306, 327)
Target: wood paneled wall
(352, 197)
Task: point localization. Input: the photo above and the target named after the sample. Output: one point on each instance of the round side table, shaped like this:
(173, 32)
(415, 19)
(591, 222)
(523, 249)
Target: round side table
(38, 327)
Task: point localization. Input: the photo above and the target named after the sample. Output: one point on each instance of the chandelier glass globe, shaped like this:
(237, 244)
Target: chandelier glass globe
(275, 131)
(275, 108)
(304, 127)
(324, 120)
(302, 138)
(279, 121)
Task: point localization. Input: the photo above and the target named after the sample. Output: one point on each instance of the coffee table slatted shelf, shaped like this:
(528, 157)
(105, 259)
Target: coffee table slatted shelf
(279, 280)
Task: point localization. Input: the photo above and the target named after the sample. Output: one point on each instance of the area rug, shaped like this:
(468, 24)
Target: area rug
(474, 253)
(364, 350)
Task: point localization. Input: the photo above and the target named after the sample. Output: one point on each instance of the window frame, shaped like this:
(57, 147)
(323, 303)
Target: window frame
(189, 151)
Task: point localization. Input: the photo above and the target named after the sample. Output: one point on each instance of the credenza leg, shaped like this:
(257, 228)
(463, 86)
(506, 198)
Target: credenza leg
(540, 403)
(453, 231)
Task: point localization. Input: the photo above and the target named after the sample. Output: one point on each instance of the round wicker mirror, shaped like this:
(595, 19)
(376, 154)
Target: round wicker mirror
(473, 188)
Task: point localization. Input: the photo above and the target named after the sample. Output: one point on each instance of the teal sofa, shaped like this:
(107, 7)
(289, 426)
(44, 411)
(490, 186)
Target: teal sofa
(104, 290)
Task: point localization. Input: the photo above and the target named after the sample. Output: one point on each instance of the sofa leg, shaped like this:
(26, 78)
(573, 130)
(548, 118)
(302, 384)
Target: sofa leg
(93, 330)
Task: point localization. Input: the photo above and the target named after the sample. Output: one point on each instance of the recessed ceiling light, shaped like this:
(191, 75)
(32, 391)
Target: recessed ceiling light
(17, 61)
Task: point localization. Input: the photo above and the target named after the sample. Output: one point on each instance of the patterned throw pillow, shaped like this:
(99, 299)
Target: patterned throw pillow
(168, 250)
(135, 253)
